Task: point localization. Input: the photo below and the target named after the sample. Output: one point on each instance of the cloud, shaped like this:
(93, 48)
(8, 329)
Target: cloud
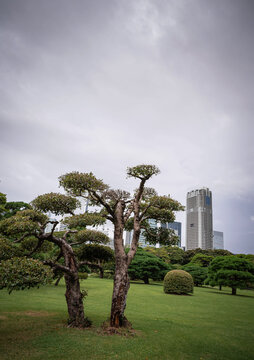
(98, 86)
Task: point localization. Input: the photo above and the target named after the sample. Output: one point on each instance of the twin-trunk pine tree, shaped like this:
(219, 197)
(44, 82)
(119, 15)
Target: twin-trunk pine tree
(124, 211)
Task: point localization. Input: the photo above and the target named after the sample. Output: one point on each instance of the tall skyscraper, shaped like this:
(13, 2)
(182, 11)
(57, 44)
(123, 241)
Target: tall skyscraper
(218, 241)
(199, 219)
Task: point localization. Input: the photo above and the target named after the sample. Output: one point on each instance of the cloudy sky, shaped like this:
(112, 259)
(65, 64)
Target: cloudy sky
(99, 85)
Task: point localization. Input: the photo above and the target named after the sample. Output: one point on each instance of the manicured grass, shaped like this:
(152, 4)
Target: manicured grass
(208, 325)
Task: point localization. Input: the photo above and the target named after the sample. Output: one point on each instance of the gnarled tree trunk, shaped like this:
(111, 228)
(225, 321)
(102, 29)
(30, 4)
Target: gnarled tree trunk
(73, 294)
(74, 301)
(119, 297)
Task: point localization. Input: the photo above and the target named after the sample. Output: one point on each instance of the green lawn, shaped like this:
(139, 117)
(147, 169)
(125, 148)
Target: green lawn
(208, 325)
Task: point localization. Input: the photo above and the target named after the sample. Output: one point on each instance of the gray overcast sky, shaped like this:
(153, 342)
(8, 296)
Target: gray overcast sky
(101, 85)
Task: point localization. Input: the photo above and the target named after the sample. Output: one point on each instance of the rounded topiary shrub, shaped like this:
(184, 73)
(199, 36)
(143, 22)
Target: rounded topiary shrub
(178, 282)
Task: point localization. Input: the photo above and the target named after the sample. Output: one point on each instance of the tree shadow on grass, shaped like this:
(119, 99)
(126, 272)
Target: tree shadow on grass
(221, 292)
(142, 283)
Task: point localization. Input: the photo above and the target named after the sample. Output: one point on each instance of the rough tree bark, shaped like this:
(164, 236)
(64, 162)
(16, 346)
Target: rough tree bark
(74, 301)
(73, 294)
(121, 287)
(123, 260)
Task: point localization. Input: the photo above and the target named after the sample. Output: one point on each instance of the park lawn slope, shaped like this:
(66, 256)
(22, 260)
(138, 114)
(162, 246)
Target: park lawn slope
(207, 325)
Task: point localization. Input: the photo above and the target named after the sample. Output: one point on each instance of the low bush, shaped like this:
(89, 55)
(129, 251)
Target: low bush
(82, 275)
(178, 282)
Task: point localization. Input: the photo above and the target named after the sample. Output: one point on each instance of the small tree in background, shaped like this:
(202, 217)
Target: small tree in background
(201, 260)
(27, 227)
(198, 273)
(146, 265)
(95, 256)
(169, 254)
(10, 208)
(230, 271)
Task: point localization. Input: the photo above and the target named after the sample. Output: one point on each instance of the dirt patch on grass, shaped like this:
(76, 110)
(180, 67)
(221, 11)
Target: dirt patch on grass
(37, 313)
(3, 317)
(32, 313)
(127, 331)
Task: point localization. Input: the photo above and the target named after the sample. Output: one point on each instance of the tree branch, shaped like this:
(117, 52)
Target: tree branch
(144, 212)
(69, 232)
(58, 267)
(89, 264)
(39, 244)
(101, 201)
(128, 212)
(22, 238)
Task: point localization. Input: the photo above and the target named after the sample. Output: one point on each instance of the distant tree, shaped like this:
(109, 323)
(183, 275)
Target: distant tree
(217, 252)
(176, 254)
(95, 256)
(189, 254)
(147, 266)
(201, 260)
(160, 252)
(8, 209)
(198, 273)
(249, 257)
(169, 254)
(230, 271)
(25, 232)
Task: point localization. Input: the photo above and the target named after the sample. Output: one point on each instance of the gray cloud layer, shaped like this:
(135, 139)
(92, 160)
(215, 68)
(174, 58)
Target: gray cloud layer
(101, 85)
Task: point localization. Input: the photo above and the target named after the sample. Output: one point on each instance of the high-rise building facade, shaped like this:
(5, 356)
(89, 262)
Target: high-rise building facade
(199, 219)
(142, 240)
(218, 241)
(177, 227)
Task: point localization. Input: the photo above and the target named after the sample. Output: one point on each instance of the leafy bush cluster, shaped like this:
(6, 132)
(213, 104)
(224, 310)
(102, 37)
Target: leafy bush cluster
(178, 282)
(23, 273)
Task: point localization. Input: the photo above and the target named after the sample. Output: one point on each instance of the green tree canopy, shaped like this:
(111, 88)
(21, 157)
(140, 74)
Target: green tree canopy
(198, 273)
(230, 271)
(126, 211)
(201, 260)
(24, 239)
(10, 208)
(147, 266)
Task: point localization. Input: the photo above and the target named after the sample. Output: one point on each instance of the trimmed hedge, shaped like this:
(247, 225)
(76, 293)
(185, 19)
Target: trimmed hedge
(178, 282)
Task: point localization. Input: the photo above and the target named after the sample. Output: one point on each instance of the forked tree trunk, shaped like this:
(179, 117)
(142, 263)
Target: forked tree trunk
(119, 297)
